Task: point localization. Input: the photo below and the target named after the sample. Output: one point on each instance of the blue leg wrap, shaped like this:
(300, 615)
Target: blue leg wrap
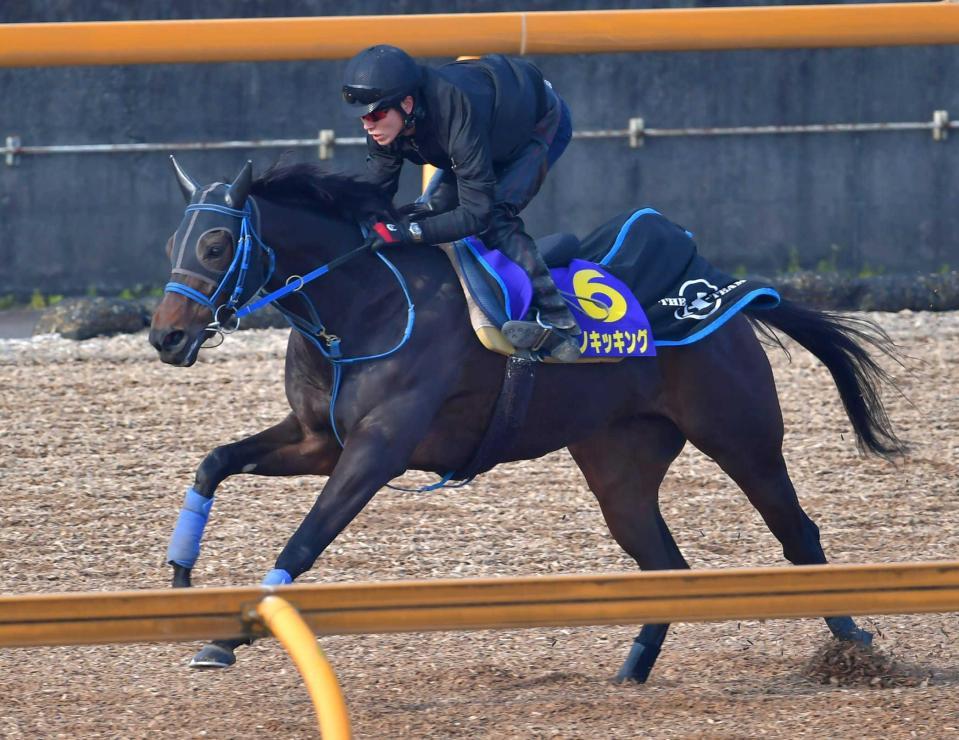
(277, 577)
(185, 543)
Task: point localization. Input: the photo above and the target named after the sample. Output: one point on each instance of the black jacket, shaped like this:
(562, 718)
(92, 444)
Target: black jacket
(470, 116)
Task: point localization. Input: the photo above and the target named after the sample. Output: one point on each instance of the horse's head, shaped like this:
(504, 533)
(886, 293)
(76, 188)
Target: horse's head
(218, 264)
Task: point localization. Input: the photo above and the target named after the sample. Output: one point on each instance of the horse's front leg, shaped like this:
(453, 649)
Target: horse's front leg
(372, 456)
(284, 449)
(377, 450)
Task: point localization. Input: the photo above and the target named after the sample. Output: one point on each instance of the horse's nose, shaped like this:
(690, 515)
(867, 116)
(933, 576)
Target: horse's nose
(167, 341)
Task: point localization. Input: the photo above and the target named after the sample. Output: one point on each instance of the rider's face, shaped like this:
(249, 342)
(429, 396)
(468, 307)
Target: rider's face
(385, 125)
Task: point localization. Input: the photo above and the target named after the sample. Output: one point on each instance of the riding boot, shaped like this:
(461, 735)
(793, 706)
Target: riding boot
(553, 309)
(553, 327)
(553, 330)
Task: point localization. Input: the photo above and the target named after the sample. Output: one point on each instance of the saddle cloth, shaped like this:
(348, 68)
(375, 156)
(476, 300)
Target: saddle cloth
(634, 284)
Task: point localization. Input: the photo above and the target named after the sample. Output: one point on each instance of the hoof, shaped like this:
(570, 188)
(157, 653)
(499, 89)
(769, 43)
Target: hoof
(181, 576)
(857, 635)
(639, 664)
(845, 629)
(213, 656)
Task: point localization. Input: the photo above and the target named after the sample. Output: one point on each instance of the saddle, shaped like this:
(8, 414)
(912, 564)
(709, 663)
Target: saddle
(497, 289)
(634, 284)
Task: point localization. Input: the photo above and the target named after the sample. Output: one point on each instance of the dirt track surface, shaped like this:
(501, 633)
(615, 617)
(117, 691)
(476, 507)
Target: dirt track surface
(99, 441)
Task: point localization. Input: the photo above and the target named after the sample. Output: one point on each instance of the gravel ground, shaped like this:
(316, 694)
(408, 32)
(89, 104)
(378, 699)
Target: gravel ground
(99, 440)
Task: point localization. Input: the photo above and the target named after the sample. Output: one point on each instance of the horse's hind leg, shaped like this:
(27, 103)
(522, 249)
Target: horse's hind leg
(765, 481)
(624, 467)
(729, 409)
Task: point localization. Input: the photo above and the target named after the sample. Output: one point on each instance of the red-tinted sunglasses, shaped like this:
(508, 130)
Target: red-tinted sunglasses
(377, 115)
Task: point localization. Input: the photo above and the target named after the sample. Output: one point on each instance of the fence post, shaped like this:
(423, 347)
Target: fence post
(286, 624)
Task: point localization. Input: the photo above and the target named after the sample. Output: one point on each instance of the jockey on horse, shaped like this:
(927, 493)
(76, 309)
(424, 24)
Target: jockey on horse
(493, 126)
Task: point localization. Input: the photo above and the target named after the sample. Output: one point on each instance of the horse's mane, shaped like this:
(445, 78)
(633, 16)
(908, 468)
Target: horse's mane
(310, 185)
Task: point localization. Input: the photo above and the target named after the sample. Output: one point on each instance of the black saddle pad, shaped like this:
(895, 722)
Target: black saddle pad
(684, 296)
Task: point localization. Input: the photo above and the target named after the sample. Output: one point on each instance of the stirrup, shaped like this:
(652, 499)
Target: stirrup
(544, 340)
(561, 346)
(561, 320)
(526, 334)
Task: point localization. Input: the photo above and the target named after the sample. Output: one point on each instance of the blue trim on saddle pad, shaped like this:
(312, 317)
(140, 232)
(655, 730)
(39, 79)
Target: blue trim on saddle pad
(726, 316)
(479, 288)
(624, 232)
(493, 274)
(621, 237)
(184, 546)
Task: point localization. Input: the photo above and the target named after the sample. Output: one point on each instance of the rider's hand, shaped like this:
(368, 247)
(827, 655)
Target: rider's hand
(383, 233)
(415, 211)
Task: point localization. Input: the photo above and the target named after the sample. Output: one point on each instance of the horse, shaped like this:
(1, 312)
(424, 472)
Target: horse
(404, 384)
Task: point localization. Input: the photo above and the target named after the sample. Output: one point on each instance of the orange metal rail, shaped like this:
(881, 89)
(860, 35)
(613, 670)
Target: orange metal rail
(559, 32)
(289, 628)
(413, 606)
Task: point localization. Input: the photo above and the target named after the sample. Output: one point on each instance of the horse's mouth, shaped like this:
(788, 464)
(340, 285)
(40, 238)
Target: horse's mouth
(177, 349)
(193, 351)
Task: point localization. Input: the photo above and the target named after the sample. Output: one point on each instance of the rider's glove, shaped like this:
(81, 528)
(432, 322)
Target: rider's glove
(416, 211)
(401, 232)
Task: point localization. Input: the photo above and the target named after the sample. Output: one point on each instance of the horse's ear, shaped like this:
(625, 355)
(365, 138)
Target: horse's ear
(236, 196)
(187, 186)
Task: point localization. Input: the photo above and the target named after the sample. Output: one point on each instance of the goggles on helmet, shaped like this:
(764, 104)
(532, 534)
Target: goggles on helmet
(358, 95)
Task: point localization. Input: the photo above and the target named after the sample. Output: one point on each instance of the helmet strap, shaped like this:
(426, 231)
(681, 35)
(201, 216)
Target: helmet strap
(409, 119)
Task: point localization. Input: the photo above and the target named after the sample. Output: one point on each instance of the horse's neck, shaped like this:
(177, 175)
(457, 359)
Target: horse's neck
(299, 234)
(304, 239)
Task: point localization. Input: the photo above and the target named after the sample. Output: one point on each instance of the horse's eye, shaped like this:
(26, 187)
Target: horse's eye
(215, 249)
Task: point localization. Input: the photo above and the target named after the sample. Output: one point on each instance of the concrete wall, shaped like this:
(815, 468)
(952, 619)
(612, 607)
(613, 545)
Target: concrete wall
(886, 201)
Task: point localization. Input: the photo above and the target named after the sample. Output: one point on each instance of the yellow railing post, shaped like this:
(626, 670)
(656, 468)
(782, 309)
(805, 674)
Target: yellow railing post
(428, 171)
(286, 624)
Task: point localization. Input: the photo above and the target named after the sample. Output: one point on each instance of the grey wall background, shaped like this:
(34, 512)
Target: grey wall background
(877, 201)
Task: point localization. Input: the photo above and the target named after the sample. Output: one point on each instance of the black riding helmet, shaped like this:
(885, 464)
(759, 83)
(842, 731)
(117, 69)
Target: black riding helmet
(377, 77)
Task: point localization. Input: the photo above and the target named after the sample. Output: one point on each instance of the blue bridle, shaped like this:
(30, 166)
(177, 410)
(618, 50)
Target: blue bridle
(239, 303)
(238, 270)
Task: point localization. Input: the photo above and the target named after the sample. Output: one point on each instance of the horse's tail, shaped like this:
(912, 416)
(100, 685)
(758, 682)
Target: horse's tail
(842, 344)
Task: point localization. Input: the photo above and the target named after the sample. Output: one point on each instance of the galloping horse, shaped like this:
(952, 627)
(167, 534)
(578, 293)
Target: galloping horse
(396, 389)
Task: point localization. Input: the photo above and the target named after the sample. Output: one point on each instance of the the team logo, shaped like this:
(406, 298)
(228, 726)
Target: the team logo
(699, 299)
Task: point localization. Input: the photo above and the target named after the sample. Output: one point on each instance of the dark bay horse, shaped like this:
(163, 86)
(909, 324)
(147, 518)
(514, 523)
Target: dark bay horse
(423, 398)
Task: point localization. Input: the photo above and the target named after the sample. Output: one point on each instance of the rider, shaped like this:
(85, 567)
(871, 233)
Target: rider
(493, 126)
